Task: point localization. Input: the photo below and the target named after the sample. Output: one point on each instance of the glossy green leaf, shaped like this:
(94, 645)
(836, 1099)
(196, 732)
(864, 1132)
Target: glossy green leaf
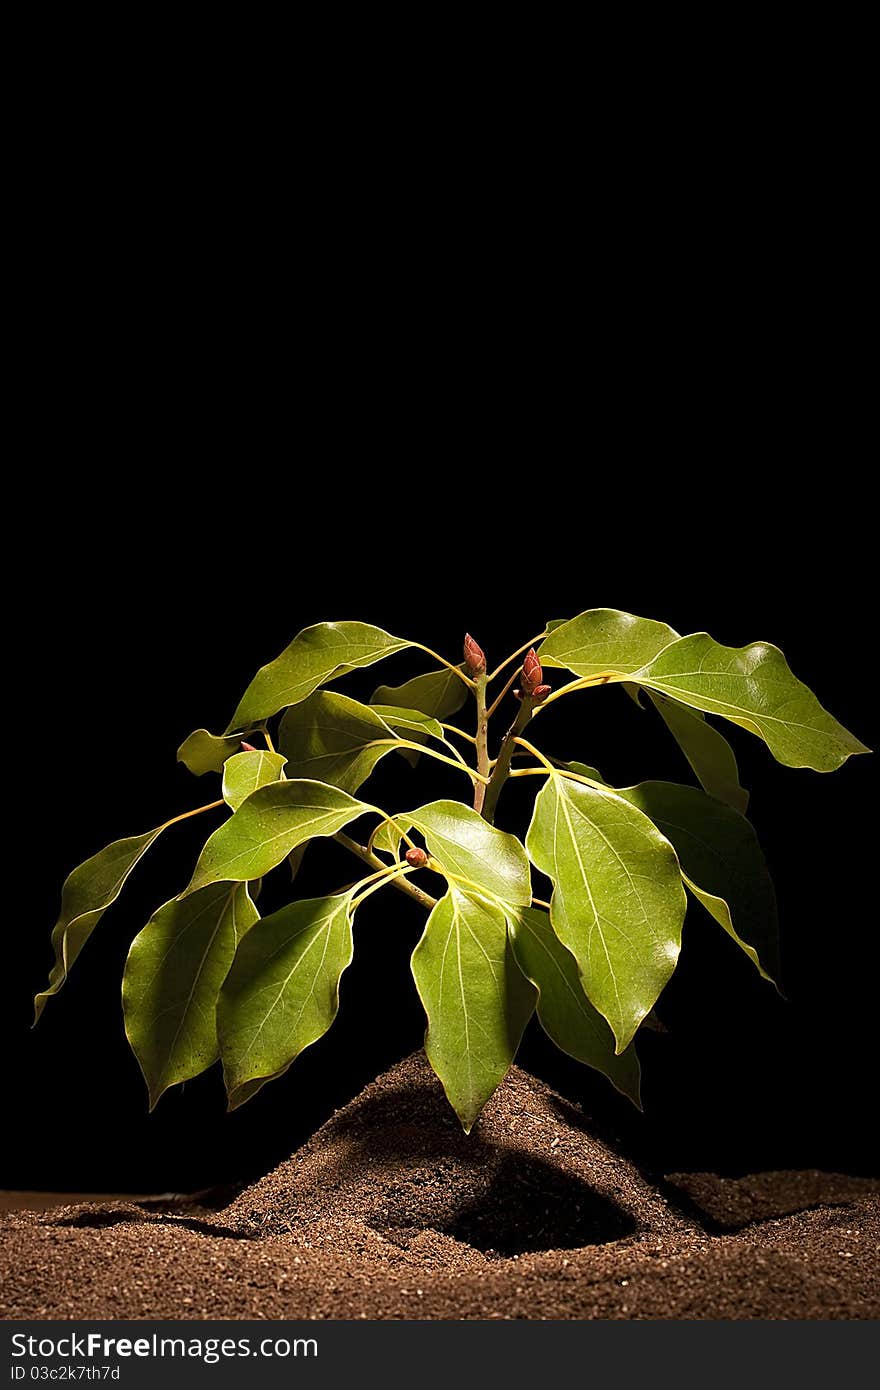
(247, 772)
(409, 723)
(602, 639)
(436, 693)
(753, 686)
(722, 863)
(634, 692)
(585, 770)
(87, 893)
(618, 901)
(332, 739)
(476, 999)
(389, 837)
(412, 725)
(266, 827)
(468, 847)
(172, 979)
(564, 1011)
(244, 1093)
(204, 752)
(315, 656)
(462, 842)
(708, 752)
(295, 859)
(282, 992)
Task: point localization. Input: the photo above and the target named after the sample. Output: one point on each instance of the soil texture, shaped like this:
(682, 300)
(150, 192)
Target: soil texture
(390, 1211)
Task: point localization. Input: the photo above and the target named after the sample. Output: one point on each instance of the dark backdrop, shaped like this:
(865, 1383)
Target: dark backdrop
(147, 609)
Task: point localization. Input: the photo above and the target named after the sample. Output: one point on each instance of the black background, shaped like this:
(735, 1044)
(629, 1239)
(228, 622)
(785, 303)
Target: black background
(436, 414)
(161, 603)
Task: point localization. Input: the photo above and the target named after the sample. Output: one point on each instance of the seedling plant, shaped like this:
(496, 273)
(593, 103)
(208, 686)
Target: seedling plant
(207, 978)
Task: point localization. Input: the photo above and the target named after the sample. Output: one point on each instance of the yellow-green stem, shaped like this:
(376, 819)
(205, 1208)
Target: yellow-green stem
(185, 815)
(513, 655)
(423, 899)
(583, 683)
(394, 873)
(456, 670)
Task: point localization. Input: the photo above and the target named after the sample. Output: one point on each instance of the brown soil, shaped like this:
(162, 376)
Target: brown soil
(389, 1211)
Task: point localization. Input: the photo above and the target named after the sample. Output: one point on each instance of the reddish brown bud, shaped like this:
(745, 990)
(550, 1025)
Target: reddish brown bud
(474, 656)
(416, 857)
(532, 675)
(540, 693)
(247, 747)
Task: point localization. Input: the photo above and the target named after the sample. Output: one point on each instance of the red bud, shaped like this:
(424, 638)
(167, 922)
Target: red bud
(248, 747)
(474, 656)
(540, 693)
(416, 857)
(532, 675)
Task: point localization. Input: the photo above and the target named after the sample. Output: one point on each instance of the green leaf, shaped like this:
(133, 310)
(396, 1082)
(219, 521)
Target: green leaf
(585, 770)
(282, 992)
(328, 737)
(475, 997)
(315, 656)
(634, 692)
(410, 724)
(244, 1093)
(246, 772)
(722, 863)
(172, 979)
(266, 827)
(295, 859)
(331, 738)
(203, 752)
(618, 902)
(753, 687)
(437, 693)
(564, 1011)
(602, 639)
(388, 837)
(467, 847)
(87, 893)
(708, 752)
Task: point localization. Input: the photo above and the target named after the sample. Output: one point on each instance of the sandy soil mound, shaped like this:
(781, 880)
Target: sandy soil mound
(390, 1211)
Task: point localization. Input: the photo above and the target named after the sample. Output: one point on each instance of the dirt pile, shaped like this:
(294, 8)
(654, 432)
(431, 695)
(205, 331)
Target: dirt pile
(390, 1211)
(395, 1162)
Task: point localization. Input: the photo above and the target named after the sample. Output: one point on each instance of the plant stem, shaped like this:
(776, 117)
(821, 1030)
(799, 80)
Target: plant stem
(583, 683)
(454, 729)
(519, 651)
(428, 752)
(569, 776)
(424, 899)
(536, 752)
(359, 883)
(456, 670)
(185, 815)
(452, 748)
(393, 874)
(502, 764)
(498, 698)
(482, 743)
